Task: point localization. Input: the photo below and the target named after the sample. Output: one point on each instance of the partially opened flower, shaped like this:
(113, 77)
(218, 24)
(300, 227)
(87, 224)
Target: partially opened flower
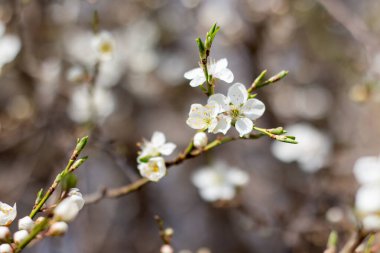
(203, 117)
(156, 146)
(66, 210)
(76, 196)
(104, 45)
(7, 214)
(217, 70)
(237, 110)
(154, 169)
(219, 181)
(312, 151)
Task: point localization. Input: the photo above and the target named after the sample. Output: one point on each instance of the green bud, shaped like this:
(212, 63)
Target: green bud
(201, 48)
(78, 163)
(81, 143)
(39, 196)
(211, 35)
(144, 159)
(333, 240)
(278, 76)
(278, 130)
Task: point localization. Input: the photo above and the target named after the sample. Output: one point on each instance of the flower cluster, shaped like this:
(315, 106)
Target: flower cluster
(91, 101)
(367, 202)
(65, 211)
(219, 181)
(150, 162)
(221, 112)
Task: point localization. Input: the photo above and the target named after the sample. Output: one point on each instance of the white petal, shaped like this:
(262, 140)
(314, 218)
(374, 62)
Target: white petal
(224, 124)
(237, 94)
(194, 73)
(221, 64)
(201, 178)
(253, 108)
(371, 222)
(196, 122)
(197, 81)
(158, 139)
(167, 148)
(221, 100)
(154, 169)
(7, 214)
(368, 199)
(244, 126)
(225, 75)
(212, 109)
(367, 170)
(237, 177)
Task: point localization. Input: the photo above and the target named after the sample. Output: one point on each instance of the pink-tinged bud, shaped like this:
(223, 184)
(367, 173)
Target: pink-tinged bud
(5, 233)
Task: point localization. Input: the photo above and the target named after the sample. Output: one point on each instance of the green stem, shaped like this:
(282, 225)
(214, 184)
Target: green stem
(36, 230)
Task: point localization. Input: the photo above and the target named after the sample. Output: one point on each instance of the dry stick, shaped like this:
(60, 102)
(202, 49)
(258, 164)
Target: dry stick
(187, 154)
(355, 240)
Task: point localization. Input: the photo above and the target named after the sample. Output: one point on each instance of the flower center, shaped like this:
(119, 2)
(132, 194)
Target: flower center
(106, 48)
(155, 168)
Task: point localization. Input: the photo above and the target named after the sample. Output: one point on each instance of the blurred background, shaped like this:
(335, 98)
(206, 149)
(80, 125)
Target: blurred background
(293, 200)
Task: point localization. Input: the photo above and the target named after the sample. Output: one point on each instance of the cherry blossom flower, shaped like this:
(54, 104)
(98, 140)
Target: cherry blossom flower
(104, 45)
(7, 214)
(217, 70)
(156, 146)
(154, 169)
(203, 117)
(312, 151)
(237, 110)
(219, 181)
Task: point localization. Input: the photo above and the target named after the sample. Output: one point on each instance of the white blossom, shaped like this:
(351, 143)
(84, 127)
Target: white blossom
(154, 169)
(203, 117)
(25, 223)
(200, 140)
(5, 233)
(77, 197)
(367, 170)
(86, 105)
(20, 235)
(156, 146)
(371, 222)
(7, 214)
(5, 248)
(103, 45)
(237, 110)
(312, 151)
(219, 181)
(217, 70)
(58, 228)
(368, 199)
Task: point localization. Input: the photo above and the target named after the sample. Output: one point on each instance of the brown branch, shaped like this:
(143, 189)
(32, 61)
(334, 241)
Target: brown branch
(188, 153)
(355, 240)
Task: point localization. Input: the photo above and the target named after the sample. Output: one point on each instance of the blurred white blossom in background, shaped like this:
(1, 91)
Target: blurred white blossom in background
(10, 46)
(219, 181)
(312, 151)
(367, 201)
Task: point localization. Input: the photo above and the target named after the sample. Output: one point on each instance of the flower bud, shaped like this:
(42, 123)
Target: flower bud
(200, 140)
(58, 228)
(166, 248)
(25, 223)
(20, 235)
(5, 234)
(39, 220)
(6, 248)
(76, 196)
(66, 210)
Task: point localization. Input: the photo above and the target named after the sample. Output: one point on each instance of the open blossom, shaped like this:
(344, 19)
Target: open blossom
(104, 45)
(312, 151)
(217, 70)
(237, 110)
(7, 214)
(156, 146)
(154, 169)
(203, 117)
(219, 181)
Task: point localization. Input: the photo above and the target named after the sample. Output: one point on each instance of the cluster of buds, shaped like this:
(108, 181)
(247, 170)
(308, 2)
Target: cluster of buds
(151, 164)
(64, 212)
